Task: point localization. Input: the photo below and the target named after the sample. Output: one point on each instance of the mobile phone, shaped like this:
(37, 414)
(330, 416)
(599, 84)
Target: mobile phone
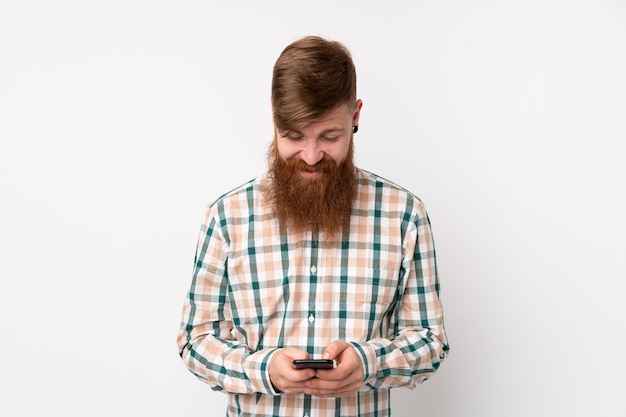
(315, 363)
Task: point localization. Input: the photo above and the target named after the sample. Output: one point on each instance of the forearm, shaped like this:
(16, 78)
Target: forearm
(205, 340)
(418, 344)
(407, 360)
(225, 364)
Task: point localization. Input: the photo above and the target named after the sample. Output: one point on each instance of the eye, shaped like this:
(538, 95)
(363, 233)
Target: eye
(330, 138)
(293, 136)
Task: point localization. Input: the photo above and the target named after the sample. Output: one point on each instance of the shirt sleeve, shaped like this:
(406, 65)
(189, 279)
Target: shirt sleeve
(418, 344)
(205, 339)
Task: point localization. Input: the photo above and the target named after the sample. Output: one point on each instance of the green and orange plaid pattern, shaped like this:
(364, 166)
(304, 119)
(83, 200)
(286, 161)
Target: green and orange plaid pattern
(255, 290)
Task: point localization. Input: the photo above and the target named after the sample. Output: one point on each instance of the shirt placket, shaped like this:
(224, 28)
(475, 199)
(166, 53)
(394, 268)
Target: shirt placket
(312, 312)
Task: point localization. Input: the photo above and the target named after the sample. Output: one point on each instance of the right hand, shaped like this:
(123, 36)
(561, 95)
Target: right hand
(283, 376)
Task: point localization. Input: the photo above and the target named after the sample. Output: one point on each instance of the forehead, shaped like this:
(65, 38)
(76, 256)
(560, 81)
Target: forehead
(337, 119)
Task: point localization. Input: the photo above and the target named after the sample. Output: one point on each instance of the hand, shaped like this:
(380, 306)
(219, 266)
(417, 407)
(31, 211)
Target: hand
(345, 379)
(283, 376)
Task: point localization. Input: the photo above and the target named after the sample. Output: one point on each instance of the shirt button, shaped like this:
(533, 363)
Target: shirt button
(311, 318)
(313, 269)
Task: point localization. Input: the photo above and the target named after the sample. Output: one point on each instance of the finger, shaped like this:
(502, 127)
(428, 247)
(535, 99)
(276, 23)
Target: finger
(335, 349)
(292, 353)
(292, 382)
(301, 374)
(337, 374)
(282, 375)
(348, 367)
(293, 389)
(333, 384)
(333, 392)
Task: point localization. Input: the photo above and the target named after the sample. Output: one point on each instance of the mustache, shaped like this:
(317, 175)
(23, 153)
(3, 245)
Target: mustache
(325, 165)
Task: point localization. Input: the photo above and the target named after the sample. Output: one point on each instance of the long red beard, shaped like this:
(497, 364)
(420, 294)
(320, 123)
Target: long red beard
(321, 205)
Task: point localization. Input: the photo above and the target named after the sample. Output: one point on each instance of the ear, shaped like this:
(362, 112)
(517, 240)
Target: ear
(357, 112)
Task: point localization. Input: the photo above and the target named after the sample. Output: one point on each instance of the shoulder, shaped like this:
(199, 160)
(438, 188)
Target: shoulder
(373, 187)
(239, 192)
(380, 198)
(237, 204)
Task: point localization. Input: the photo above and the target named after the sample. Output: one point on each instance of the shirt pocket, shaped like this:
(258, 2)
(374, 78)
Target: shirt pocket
(372, 289)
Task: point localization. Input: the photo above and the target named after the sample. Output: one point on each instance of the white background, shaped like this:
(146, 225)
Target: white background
(121, 120)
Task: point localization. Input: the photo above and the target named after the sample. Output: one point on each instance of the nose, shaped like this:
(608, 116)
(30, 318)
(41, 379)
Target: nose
(311, 152)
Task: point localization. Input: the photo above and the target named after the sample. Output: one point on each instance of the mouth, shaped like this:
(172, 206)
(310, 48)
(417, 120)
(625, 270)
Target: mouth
(310, 174)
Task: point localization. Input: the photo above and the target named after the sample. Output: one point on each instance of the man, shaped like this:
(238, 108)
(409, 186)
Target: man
(316, 259)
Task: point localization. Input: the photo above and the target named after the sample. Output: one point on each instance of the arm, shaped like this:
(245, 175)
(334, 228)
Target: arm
(205, 340)
(419, 343)
(417, 347)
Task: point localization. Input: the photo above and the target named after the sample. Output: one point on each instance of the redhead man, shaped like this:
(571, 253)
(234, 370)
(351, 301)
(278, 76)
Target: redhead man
(314, 259)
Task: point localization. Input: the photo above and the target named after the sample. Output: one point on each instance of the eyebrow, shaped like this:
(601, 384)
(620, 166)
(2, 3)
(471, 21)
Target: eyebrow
(322, 133)
(332, 130)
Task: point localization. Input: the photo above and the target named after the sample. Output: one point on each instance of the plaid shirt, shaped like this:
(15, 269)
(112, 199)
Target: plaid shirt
(255, 290)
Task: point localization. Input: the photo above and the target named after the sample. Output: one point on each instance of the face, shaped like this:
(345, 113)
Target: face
(329, 136)
(312, 176)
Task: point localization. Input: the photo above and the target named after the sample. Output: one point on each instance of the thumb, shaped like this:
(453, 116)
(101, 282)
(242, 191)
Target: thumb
(333, 350)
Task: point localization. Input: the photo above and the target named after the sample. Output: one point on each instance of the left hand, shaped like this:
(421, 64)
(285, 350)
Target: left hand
(345, 379)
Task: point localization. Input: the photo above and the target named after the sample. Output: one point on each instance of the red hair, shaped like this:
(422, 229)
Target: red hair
(311, 77)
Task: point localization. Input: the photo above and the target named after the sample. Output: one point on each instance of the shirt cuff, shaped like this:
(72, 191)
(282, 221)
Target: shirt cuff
(258, 370)
(368, 357)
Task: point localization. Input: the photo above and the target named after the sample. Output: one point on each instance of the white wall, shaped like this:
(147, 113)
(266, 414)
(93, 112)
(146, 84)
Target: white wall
(120, 120)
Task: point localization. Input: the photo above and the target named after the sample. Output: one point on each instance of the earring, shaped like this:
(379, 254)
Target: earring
(355, 129)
